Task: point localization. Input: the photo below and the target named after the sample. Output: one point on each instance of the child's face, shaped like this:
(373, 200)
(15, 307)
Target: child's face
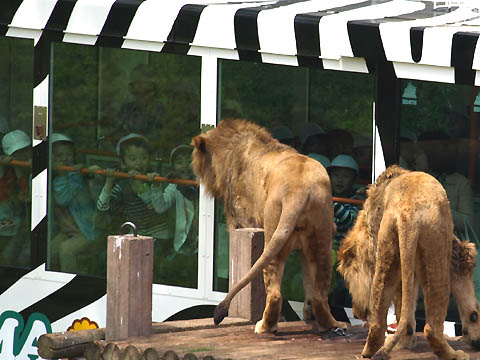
(181, 165)
(62, 154)
(342, 180)
(136, 158)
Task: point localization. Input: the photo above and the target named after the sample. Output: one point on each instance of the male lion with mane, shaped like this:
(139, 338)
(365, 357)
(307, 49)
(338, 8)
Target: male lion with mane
(264, 183)
(462, 267)
(464, 260)
(402, 239)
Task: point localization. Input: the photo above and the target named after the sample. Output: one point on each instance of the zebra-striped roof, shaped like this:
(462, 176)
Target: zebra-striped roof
(423, 41)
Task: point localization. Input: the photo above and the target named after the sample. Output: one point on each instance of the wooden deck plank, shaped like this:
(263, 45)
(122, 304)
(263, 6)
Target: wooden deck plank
(294, 340)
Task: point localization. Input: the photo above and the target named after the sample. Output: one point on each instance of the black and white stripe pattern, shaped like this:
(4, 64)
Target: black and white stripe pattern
(399, 31)
(340, 34)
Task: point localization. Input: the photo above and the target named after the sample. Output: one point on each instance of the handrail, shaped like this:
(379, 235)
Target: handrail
(124, 175)
(16, 163)
(348, 200)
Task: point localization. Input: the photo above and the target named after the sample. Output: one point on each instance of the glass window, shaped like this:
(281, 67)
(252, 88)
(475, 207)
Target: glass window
(326, 115)
(445, 116)
(16, 104)
(122, 122)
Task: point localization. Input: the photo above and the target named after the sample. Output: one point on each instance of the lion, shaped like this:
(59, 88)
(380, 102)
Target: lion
(464, 260)
(462, 266)
(402, 239)
(266, 184)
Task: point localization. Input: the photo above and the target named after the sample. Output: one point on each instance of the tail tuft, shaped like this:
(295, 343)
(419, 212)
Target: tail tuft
(219, 314)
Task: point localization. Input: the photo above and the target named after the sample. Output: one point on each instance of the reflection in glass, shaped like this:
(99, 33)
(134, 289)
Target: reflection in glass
(322, 114)
(438, 135)
(16, 104)
(123, 112)
(73, 207)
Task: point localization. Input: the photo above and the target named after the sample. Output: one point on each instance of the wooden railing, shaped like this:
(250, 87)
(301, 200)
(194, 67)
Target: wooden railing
(121, 174)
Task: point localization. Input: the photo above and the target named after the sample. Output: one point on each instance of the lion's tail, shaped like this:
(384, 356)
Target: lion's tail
(286, 226)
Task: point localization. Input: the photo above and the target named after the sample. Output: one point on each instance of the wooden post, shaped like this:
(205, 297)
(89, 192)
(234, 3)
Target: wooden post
(129, 286)
(246, 246)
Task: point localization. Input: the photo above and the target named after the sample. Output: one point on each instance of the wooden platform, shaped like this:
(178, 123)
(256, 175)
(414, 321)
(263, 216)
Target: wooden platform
(198, 339)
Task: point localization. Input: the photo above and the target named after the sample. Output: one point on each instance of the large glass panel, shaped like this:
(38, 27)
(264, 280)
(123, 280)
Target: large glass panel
(16, 105)
(323, 114)
(439, 135)
(122, 122)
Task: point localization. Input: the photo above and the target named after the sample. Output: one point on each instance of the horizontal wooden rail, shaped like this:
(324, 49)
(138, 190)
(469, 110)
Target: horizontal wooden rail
(120, 174)
(16, 163)
(125, 175)
(348, 200)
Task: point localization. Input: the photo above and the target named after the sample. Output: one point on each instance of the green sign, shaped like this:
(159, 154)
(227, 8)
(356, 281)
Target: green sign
(19, 341)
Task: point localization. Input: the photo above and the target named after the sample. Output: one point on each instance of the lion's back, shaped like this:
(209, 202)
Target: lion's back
(417, 193)
(419, 203)
(241, 163)
(293, 173)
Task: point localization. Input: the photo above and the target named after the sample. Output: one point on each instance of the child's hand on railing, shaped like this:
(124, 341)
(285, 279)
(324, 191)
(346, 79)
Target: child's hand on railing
(155, 184)
(92, 169)
(110, 173)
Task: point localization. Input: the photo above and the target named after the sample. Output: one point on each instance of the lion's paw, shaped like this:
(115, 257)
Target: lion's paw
(260, 328)
(380, 355)
(366, 354)
(460, 355)
(370, 351)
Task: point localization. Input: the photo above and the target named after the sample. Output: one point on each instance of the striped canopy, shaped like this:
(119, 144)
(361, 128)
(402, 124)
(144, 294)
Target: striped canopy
(422, 40)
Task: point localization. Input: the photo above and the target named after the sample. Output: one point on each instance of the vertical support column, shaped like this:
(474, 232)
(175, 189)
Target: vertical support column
(387, 111)
(206, 231)
(129, 286)
(246, 246)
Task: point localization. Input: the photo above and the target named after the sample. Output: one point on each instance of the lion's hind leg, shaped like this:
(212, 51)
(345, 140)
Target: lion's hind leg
(307, 288)
(436, 296)
(317, 269)
(272, 276)
(408, 340)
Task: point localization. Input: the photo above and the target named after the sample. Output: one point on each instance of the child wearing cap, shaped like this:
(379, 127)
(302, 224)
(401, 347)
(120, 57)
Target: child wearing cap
(73, 209)
(15, 199)
(17, 146)
(184, 196)
(182, 200)
(343, 171)
(141, 202)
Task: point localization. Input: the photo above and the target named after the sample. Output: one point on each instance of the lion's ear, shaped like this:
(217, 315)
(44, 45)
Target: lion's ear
(346, 255)
(464, 256)
(199, 143)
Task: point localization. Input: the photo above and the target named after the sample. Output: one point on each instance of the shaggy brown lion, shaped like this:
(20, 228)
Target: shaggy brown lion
(462, 266)
(266, 184)
(402, 238)
(464, 260)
